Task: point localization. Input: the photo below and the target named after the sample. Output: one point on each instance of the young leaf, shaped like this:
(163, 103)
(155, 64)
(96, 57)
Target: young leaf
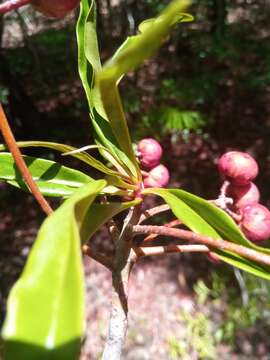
(140, 47)
(115, 113)
(194, 219)
(89, 66)
(45, 312)
(130, 55)
(179, 18)
(106, 138)
(52, 178)
(87, 11)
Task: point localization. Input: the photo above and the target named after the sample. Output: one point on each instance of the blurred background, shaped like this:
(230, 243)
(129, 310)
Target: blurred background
(207, 91)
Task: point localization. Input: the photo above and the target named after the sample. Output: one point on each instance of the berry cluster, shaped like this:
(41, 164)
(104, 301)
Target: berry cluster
(239, 169)
(149, 153)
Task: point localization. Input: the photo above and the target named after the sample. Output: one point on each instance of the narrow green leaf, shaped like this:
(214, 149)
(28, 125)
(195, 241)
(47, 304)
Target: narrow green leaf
(45, 312)
(90, 39)
(179, 18)
(46, 189)
(130, 55)
(116, 181)
(85, 69)
(106, 137)
(195, 219)
(218, 219)
(89, 66)
(52, 178)
(83, 156)
(244, 264)
(111, 190)
(115, 113)
(140, 47)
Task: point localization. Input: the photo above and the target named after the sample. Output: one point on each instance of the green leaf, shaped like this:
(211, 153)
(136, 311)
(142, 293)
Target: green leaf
(45, 312)
(87, 23)
(185, 213)
(83, 156)
(52, 178)
(89, 66)
(140, 47)
(128, 57)
(218, 219)
(116, 181)
(115, 177)
(179, 18)
(102, 213)
(106, 137)
(197, 216)
(113, 106)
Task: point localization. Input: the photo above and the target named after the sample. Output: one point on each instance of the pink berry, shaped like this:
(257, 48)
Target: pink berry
(149, 152)
(243, 195)
(55, 8)
(157, 177)
(238, 167)
(255, 222)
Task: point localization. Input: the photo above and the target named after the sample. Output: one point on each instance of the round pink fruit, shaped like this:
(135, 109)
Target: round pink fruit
(157, 177)
(149, 152)
(238, 167)
(55, 8)
(255, 222)
(243, 195)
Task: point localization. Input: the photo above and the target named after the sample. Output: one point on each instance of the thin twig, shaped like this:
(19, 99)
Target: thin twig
(152, 237)
(224, 188)
(222, 199)
(18, 158)
(12, 5)
(147, 214)
(215, 243)
(104, 260)
(168, 249)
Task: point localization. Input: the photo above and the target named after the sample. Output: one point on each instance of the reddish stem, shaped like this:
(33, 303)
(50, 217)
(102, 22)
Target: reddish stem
(207, 240)
(12, 5)
(170, 224)
(147, 214)
(15, 151)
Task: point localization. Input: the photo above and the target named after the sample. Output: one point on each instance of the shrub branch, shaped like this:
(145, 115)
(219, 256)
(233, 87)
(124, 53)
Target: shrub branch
(206, 240)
